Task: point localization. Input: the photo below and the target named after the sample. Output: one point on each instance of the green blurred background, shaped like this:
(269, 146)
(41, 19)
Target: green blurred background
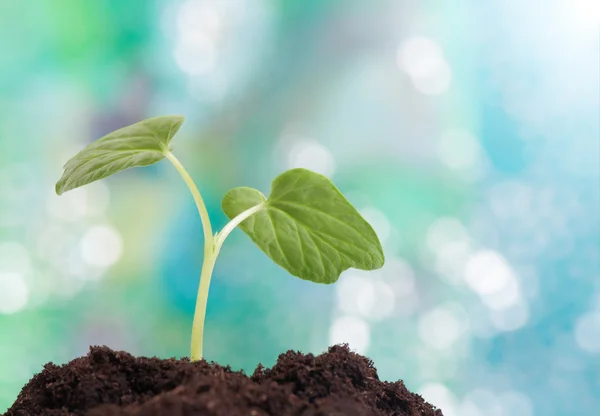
(466, 132)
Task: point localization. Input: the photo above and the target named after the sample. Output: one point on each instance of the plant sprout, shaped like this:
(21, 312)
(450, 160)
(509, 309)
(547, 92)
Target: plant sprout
(306, 225)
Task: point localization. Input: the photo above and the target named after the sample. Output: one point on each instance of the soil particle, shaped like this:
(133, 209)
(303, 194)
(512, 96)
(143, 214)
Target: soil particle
(114, 383)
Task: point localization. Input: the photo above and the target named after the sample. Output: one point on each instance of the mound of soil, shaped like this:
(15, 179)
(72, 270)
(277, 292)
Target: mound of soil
(106, 382)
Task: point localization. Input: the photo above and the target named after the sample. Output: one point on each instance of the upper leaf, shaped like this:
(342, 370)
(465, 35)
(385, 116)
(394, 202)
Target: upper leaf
(140, 144)
(307, 226)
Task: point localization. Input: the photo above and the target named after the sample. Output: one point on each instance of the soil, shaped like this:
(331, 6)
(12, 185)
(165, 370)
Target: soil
(106, 382)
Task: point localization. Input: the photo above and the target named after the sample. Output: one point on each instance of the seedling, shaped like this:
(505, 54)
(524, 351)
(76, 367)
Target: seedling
(305, 225)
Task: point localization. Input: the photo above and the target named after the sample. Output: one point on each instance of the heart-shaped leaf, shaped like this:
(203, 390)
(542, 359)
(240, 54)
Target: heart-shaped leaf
(307, 226)
(140, 144)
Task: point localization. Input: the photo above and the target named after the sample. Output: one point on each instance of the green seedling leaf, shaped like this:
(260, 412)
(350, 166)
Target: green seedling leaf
(140, 144)
(307, 226)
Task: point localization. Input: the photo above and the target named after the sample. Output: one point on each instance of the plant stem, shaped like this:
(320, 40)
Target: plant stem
(208, 237)
(212, 246)
(201, 302)
(222, 235)
(207, 265)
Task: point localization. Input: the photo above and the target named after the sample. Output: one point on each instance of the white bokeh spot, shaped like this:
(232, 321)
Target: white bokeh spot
(423, 60)
(378, 221)
(14, 293)
(442, 327)
(441, 396)
(587, 332)
(101, 246)
(352, 331)
(312, 155)
(489, 275)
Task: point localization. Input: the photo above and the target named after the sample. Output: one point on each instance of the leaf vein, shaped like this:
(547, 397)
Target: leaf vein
(277, 237)
(327, 214)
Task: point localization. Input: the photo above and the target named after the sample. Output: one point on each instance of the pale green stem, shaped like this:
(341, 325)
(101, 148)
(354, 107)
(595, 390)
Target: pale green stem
(201, 302)
(212, 246)
(222, 235)
(208, 237)
(207, 265)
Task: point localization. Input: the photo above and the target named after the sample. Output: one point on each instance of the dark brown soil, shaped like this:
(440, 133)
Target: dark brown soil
(107, 382)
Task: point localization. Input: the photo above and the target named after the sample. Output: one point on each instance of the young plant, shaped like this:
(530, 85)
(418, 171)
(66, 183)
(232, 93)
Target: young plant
(305, 225)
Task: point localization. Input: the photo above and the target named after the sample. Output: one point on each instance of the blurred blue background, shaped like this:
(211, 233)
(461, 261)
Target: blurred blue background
(466, 132)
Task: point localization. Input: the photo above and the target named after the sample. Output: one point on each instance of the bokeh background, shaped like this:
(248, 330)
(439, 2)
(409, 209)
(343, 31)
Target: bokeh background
(466, 132)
